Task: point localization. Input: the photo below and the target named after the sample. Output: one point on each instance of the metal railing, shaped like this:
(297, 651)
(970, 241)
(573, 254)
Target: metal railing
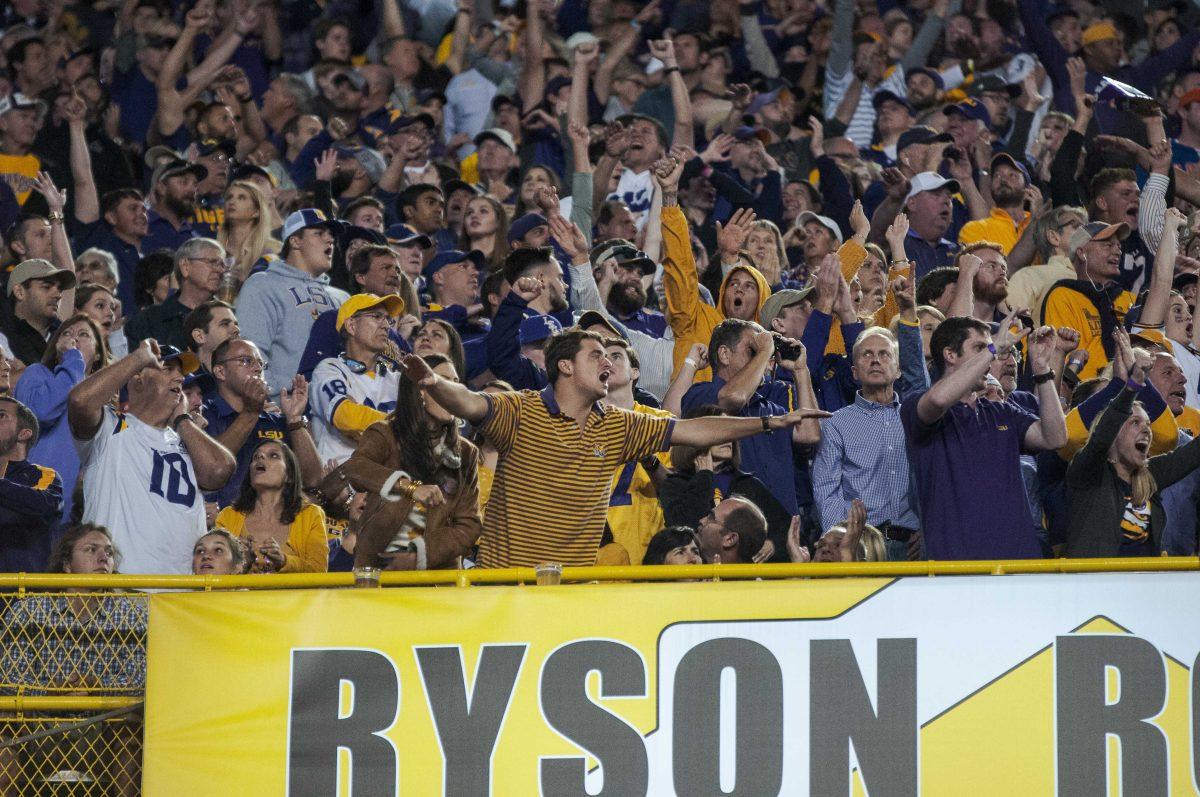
(72, 664)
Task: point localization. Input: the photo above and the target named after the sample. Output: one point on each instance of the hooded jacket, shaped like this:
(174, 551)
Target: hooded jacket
(693, 321)
(276, 310)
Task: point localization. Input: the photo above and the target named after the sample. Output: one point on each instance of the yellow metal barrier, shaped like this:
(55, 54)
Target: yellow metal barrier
(72, 664)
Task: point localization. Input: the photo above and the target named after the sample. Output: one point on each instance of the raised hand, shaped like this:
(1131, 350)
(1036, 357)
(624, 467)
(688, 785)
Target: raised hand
(664, 50)
(741, 95)
(1142, 361)
(856, 524)
(418, 370)
(1043, 342)
(295, 400)
(585, 54)
(797, 551)
(579, 134)
(816, 142)
(718, 149)
(255, 395)
(1005, 339)
(1066, 339)
(732, 235)
(859, 222)
(546, 198)
(905, 291)
(1077, 73)
(897, 231)
(666, 172)
(616, 139)
(895, 184)
(326, 164)
(199, 17)
(149, 354)
(528, 288)
(56, 199)
(765, 552)
(699, 354)
(568, 235)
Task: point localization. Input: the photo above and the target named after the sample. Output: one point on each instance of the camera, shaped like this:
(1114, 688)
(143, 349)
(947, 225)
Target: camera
(785, 349)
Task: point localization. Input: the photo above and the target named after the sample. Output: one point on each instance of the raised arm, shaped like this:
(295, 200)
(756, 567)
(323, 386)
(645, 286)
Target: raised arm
(930, 30)
(461, 36)
(1154, 309)
(964, 287)
(760, 55)
(1050, 432)
(87, 201)
(736, 393)
(85, 405)
(533, 71)
(214, 463)
(459, 399)
(696, 360)
(391, 19)
(681, 101)
(950, 389)
(60, 244)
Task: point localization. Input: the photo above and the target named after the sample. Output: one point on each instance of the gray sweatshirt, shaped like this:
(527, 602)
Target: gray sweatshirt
(276, 310)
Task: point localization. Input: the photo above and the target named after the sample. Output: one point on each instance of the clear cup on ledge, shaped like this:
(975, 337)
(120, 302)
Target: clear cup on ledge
(548, 573)
(366, 577)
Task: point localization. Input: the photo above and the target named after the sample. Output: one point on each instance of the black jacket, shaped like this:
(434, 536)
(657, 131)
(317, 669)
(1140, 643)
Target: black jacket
(687, 497)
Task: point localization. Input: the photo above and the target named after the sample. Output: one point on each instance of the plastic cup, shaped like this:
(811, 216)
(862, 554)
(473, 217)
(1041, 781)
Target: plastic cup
(366, 576)
(548, 573)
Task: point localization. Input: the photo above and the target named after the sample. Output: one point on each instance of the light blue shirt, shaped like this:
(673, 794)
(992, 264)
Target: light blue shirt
(862, 455)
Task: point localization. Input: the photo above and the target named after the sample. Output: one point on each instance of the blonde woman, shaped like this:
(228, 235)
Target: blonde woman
(765, 245)
(246, 231)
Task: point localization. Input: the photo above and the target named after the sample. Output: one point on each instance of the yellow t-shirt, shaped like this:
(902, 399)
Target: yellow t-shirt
(307, 547)
(20, 171)
(998, 228)
(1067, 307)
(634, 513)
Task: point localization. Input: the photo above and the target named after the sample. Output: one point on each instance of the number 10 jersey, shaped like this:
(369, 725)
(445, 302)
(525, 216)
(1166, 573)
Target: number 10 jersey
(139, 483)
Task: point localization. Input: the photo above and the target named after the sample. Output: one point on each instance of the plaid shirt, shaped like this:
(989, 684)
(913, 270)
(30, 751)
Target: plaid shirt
(48, 648)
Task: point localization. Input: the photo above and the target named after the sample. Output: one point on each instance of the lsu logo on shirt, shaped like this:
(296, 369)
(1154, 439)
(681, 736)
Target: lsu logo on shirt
(312, 294)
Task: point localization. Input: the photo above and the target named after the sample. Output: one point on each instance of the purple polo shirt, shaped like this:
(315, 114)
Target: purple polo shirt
(968, 475)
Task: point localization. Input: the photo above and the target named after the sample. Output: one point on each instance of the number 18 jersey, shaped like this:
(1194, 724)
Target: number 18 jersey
(139, 483)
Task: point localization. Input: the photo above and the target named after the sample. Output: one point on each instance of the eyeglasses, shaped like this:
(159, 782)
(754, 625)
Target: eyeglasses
(211, 262)
(246, 361)
(378, 316)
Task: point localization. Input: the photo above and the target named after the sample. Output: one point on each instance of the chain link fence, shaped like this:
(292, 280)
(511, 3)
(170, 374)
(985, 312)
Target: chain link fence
(59, 652)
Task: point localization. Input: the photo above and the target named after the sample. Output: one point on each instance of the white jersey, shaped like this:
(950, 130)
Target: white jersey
(139, 483)
(635, 189)
(337, 379)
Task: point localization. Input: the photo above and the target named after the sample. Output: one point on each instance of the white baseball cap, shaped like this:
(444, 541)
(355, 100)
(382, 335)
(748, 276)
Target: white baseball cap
(824, 221)
(930, 181)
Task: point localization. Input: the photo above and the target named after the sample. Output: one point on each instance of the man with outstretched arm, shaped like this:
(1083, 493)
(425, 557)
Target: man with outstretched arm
(560, 447)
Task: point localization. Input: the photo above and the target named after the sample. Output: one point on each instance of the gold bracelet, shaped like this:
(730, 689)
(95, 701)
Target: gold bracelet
(410, 490)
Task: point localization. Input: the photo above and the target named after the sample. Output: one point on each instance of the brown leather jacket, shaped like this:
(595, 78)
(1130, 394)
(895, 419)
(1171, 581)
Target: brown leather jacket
(451, 528)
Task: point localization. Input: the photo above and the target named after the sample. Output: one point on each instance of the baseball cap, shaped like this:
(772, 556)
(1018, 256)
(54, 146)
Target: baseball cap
(932, 74)
(776, 302)
(889, 96)
(500, 100)
(579, 39)
(1097, 231)
(398, 121)
(593, 317)
(970, 108)
(168, 169)
(521, 227)
(994, 83)
(626, 254)
(921, 134)
(408, 236)
(353, 232)
(38, 269)
(1004, 157)
(555, 84)
(747, 133)
(19, 102)
(824, 221)
(1183, 280)
(1060, 11)
(451, 256)
(351, 76)
(761, 101)
(537, 328)
(930, 181)
(371, 161)
(365, 301)
(450, 186)
(1098, 32)
(247, 170)
(188, 362)
(432, 94)
(157, 153)
(305, 218)
(498, 134)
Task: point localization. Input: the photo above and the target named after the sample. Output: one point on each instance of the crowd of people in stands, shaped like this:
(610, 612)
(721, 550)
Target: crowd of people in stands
(414, 284)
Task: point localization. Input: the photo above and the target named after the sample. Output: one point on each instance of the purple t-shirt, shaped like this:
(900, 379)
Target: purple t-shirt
(968, 475)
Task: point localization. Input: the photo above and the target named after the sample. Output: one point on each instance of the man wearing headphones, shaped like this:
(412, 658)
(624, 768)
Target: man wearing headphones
(1093, 303)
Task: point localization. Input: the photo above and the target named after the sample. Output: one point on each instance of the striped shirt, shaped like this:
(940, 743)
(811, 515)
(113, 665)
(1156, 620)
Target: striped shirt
(553, 480)
(862, 124)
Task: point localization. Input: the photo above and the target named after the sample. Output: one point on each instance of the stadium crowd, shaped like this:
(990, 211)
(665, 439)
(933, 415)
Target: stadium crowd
(295, 287)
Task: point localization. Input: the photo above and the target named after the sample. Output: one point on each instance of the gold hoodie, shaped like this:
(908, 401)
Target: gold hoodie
(692, 320)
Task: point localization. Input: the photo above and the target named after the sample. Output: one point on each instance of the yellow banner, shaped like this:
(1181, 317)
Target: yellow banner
(1068, 684)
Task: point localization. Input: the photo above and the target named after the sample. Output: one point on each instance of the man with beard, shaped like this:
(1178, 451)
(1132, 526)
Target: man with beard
(1009, 216)
(925, 87)
(36, 288)
(627, 299)
(982, 284)
(199, 266)
(30, 495)
(1094, 303)
(958, 440)
(173, 188)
